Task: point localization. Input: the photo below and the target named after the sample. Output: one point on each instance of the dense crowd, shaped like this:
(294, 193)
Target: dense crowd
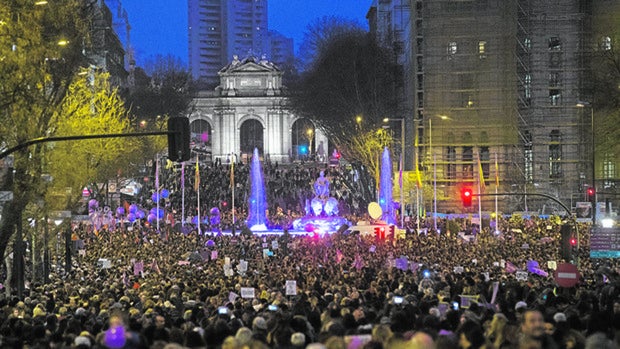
(287, 188)
(139, 287)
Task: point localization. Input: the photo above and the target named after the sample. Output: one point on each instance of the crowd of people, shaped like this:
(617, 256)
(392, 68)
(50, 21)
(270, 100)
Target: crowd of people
(140, 287)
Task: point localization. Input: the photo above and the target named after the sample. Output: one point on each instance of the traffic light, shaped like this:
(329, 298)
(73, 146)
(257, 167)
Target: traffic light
(178, 141)
(568, 242)
(380, 232)
(591, 194)
(466, 195)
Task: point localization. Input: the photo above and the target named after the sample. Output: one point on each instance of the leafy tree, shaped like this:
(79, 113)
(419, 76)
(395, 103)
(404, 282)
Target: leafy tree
(91, 106)
(320, 33)
(351, 76)
(36, 73)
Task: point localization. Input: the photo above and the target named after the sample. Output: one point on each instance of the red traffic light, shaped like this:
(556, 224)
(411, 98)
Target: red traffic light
(590, 191)
(591, 194)
(573, 241)
(466, 195)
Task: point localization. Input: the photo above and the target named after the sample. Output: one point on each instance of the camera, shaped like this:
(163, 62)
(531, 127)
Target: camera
(397, 300)
(455, 305)
(272, 307)
(222, 310)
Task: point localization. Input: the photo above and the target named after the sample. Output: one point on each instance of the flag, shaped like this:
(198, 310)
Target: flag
(510, 268)
(418, 176)
(197, 176)
(138, 267)
(155, 267)
(480, 174)
(232, 174)
(496, 171)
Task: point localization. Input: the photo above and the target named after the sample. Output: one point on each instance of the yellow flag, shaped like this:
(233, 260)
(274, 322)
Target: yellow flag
(232, 174)
(480, 174)
(418, 175)
(197, 176)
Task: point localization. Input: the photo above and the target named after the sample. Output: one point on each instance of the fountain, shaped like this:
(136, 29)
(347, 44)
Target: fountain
(321, 211)
(385, 188)
(257, 205)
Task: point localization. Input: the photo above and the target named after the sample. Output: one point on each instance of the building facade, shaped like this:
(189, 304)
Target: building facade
(249, 110)
(494, 79)
(219, 29)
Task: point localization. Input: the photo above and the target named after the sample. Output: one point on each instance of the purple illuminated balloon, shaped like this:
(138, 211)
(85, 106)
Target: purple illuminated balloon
(214, 211)
(133, 208)
(210, 243)
(115, 337)
(120, 211)
(131, 217)
(309, 228)
(160, 213)
(93, 204)
(151, 218)
(195, 220)
(140, 214)
(153, 211)
(155, 197)
(164, 193)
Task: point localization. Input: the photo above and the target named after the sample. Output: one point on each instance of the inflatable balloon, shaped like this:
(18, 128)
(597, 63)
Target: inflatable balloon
(131, 217)
(195, 220)
(214, 211)
(153, 211)
(155, 197)
(140, 214)
(309, 228)
(115, 337)
(120, 211)
(160, 213)
(151, 218)
(133, 208)
(164, 193)
(210, 243)
(93, 204)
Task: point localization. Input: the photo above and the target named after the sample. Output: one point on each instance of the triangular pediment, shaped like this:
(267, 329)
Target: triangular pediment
(249, 66)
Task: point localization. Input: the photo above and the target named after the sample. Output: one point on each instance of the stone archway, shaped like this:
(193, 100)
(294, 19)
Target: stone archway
(251, 135)
(303, 139)
(200, 138)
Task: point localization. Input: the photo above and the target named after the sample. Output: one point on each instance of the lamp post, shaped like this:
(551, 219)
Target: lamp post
(583, 104)
(402, 154)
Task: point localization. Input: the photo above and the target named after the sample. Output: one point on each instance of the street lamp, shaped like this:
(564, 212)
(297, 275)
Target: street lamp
(402, 154)
(583, 104)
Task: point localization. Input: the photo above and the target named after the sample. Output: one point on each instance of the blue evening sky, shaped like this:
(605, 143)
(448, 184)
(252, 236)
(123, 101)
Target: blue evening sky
(160, 26)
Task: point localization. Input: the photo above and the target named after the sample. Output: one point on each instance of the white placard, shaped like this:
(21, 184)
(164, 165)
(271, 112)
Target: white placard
(458, 270)
(242, 267)
(274, 245)
(521, 275)
(553, 265)
(247, 292)
(291, 288)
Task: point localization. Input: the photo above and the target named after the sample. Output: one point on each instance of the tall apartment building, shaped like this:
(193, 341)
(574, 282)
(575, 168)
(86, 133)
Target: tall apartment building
(491, 79)
(221, 29)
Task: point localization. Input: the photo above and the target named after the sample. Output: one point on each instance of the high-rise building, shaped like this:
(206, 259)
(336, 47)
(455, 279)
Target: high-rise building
(221, 29)
(489, 79)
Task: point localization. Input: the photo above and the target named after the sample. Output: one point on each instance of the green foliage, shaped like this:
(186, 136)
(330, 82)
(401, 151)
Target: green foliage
(91, 106)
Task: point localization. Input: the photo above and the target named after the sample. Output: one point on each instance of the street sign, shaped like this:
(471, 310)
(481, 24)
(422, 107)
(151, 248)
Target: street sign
(566, 275)
(6, 196)
(605, 243)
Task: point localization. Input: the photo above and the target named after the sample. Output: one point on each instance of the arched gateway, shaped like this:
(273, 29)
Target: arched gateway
(249, 110)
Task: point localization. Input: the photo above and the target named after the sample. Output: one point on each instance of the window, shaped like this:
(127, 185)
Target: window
(468, 159)
(606, 44)
(451, 166)
(485, 157)
(609, 170)
(452, 48)
(555, 97)
(528, 87)
(555, 44)
(554, 79)
(482, 49)
(529, 157)
(555, 154)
